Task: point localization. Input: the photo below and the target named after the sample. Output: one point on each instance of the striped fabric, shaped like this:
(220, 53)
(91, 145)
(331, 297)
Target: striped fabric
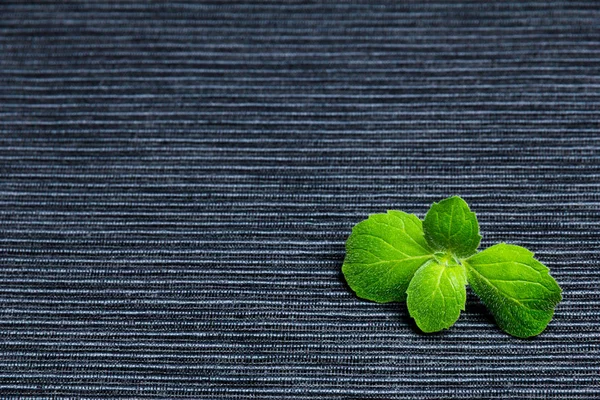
(178, 181)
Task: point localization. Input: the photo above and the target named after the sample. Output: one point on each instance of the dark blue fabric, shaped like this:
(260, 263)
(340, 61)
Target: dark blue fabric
(178, 181)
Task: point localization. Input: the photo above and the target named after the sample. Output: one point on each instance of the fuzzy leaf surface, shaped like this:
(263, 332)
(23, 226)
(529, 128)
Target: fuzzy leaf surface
(383, 253)
(516, 288)
(451, 226)
(436, 295)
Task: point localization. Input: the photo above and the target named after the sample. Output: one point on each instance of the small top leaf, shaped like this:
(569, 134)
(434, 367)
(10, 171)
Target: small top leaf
(451, 226)
(437, 295)
(382, 254)
(515, 287)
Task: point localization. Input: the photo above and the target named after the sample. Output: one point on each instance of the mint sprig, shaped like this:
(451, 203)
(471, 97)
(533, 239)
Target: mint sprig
(396, 257)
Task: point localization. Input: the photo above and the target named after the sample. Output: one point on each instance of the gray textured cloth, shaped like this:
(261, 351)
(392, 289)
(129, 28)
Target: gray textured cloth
(178, 180)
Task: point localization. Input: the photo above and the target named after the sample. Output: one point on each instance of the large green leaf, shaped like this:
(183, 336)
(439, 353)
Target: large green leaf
(382, 255)
(437, 295)
(515, 287)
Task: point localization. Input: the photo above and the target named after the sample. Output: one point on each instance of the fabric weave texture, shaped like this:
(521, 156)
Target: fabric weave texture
(178, 180)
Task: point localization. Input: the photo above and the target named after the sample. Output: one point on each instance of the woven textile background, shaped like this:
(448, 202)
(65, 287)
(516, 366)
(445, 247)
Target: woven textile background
(178, 181)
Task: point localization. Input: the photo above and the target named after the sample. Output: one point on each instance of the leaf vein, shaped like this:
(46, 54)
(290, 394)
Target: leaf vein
(520, 280)
(405, 233)
(501, 292)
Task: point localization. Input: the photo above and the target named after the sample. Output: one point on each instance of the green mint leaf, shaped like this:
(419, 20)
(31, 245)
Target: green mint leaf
(436, 295)
(395, 257)
(451, 226)
(516, 288)
(382, 254)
